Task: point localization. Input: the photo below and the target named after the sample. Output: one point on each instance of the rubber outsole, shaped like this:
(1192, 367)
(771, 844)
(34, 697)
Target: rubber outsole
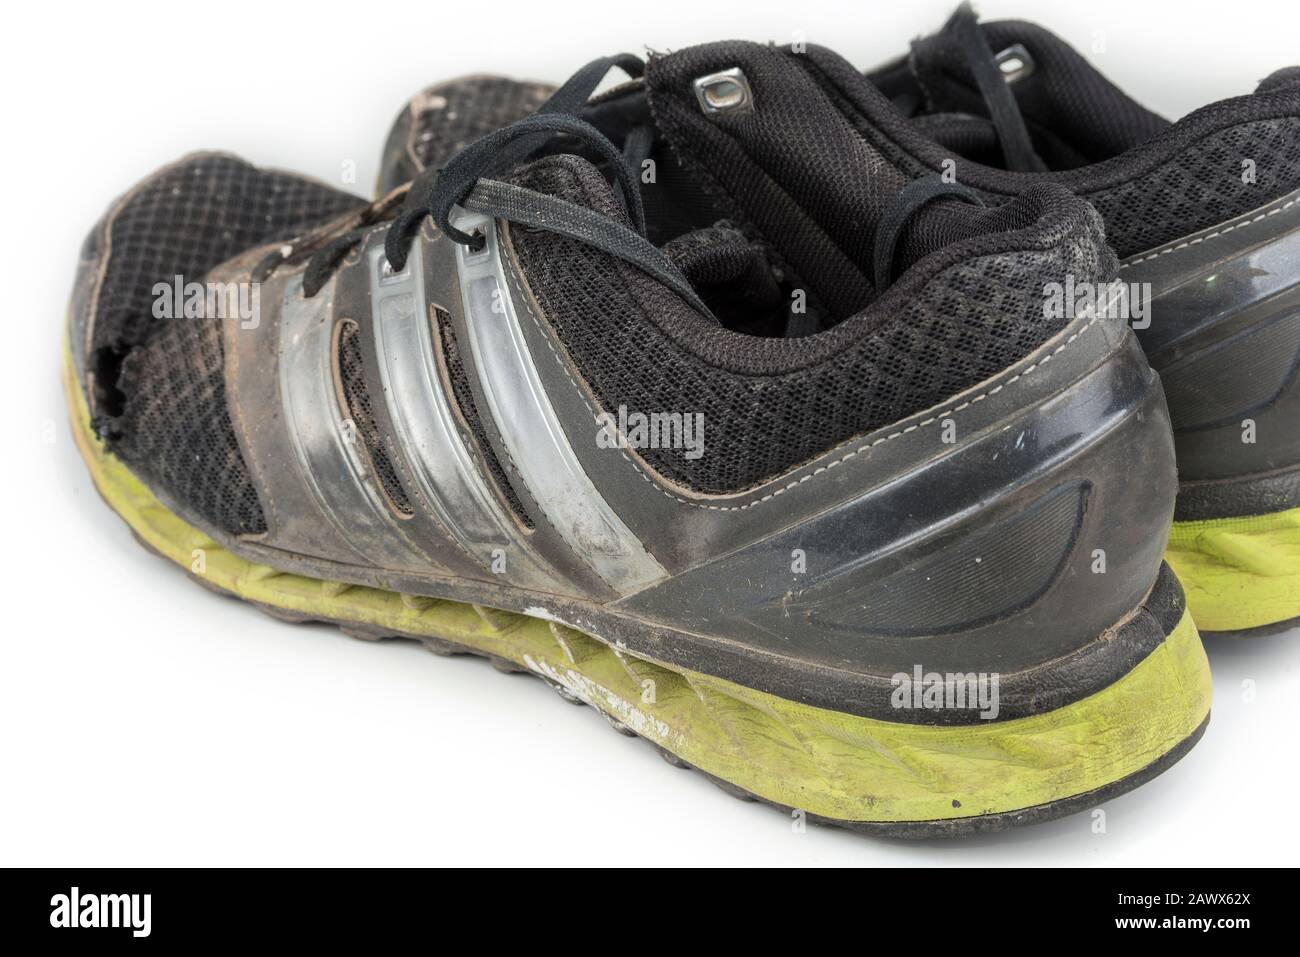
(902, 780)
(1241, 574)
(897, 830)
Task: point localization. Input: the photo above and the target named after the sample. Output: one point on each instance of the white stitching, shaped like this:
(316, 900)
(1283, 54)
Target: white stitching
(525, 297)
(1218, 232)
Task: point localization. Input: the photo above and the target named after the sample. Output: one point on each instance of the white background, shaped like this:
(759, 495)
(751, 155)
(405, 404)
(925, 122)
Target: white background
(146, 721)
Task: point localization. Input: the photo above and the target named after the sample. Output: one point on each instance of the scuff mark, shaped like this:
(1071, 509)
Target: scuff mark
(599, 697)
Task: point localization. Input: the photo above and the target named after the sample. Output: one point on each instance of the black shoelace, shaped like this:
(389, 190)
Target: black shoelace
(1004, 111)
(466, 182)
(907, 203)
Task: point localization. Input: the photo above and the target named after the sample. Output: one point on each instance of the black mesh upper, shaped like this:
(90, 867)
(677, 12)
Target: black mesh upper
(190, 217)
(807, 187)
(175, 429)
(770, 404)
(166, 413)
(1203, 186)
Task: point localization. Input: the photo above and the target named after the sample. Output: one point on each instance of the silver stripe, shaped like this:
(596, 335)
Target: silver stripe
(530, 427)
(427, 429)
(326, 450)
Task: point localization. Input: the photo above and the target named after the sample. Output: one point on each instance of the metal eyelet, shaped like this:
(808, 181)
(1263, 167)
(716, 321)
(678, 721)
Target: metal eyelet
(724, 92)
(1015, 63)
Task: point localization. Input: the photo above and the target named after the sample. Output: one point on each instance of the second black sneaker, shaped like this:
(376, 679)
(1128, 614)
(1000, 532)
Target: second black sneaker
(1204, 212)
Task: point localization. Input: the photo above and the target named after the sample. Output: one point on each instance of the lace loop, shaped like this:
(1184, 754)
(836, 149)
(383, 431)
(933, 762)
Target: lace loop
(466, 182)
(507, 147)
(915, 195)
(476, 161)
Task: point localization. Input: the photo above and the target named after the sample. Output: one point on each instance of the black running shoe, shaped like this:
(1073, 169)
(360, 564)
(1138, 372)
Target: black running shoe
(1204, 212)
(779, 466)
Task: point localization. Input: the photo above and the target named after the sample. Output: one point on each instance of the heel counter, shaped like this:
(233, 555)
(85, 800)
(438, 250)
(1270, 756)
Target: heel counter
(1024, 540)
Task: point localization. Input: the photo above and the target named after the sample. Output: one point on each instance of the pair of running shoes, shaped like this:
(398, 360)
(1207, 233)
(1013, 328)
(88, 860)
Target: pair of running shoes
(873, 443)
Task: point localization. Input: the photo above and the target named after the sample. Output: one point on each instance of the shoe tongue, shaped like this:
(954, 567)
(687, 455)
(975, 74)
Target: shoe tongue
(784, 156)
(730, 272)
(1076, 115)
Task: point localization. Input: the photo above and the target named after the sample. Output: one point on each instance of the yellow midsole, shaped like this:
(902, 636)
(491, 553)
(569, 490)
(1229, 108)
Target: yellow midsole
(1239, 573)
(824, 762)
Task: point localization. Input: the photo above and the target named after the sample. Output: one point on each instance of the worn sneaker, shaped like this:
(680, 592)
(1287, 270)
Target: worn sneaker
(1205, 214)
(826, 507)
